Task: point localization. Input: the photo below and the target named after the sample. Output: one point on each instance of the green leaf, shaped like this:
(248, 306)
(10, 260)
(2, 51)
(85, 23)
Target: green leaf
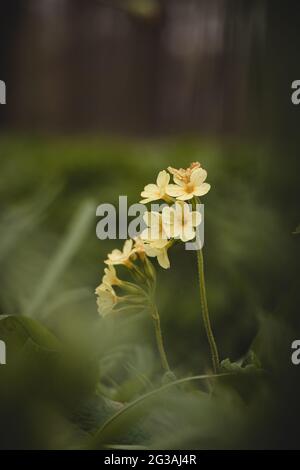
(15, 330)
(243, 376)
(113, 428)
(39, 363)
(94, 412)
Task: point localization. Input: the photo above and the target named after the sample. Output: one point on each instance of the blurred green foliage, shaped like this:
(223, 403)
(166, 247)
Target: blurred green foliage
(74, 380)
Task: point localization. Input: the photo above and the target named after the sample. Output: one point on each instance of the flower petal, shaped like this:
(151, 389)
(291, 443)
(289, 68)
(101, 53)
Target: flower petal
(178, 181)
(149, 199)
(163, 259)
(168, 215)
(154, 223)
(186, 196)
(202, 189)
(163, 179)
(115, 254)
(187, 234)
(159, 244)
(127, 247)
(146, 218)
(196, 218)
(145, 235)
(198, 176)
(105, 303)
(174, 190)
(151, 251)
(150, 188)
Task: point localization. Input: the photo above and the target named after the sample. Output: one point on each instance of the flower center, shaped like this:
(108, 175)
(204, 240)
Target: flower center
(189, 188)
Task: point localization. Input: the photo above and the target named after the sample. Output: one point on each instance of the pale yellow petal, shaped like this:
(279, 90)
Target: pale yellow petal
(151, 251)
(163, 259)
(185, 196)
(150, 188)
(161, 243)
(187, 234)
(154, 222)
(198, 176)
(115, 254)
(145, 235)
(174, 190)
(168, 215)
(178, 181)
(149, 199)
(196, 218)
(105, 302)
(127, 247)
(151, 193)
(146, 218)
(202, 189)
(162, 179)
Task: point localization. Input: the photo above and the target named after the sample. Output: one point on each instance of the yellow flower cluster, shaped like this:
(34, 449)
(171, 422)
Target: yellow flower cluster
(176, 221)
(189, 182)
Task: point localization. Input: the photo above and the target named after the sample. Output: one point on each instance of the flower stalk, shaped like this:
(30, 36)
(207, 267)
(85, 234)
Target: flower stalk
(174, 223)
(159, 338)
(205, 313)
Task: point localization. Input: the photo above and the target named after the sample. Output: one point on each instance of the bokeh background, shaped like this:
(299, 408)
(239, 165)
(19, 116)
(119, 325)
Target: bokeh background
(101, 95)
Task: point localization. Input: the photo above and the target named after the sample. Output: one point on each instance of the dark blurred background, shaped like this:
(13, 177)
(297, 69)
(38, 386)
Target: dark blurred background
(146, 66)
(101, 95)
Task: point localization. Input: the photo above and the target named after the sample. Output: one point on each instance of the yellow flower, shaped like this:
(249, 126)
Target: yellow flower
(110, 277)
(153, 192)
(160, 253)
(189, 184)
(121, 257)
(155, 238)
(106, 299)
(154, 233)
(180, 222)
(139, 247)
(182, 173)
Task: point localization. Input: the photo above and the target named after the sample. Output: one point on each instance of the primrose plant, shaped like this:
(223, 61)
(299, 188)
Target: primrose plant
(176, 222)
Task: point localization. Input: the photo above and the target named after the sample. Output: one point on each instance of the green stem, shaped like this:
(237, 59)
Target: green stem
(205, 314)
(159, 339)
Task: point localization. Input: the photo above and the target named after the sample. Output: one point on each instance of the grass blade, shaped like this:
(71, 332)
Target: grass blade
(77, 231)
